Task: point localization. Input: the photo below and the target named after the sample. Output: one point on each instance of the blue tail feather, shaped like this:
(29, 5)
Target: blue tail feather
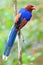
(10, 41)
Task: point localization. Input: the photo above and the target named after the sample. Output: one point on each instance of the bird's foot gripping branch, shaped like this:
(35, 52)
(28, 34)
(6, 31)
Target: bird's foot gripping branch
(23, 16)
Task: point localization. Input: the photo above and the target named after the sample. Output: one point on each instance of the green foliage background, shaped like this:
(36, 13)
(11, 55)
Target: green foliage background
(31, 34)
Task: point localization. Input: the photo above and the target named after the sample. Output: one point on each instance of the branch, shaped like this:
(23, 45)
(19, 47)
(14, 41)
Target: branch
(19, 42)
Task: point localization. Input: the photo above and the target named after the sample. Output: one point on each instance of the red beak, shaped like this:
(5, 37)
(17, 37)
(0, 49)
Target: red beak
(34, 8)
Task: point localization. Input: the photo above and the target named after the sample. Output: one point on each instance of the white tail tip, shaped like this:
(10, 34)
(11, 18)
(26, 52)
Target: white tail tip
(5, 57)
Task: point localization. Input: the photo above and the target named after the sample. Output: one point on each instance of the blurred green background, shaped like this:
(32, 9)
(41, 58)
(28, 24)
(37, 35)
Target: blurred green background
(31, 34)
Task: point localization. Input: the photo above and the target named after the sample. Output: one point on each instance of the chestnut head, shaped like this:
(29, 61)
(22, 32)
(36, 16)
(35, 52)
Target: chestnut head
(30, 8)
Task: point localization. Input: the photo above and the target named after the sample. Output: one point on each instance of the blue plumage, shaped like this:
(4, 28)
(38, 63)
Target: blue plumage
(12, 36)
(25, 14)
(10, 41)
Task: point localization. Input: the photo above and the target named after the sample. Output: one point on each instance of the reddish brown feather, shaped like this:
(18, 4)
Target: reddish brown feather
(29, 8)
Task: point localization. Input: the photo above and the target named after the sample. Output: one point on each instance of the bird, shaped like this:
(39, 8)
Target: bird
(21, 19)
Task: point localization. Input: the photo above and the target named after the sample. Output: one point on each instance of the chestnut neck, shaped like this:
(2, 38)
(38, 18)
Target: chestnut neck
(28, 9)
